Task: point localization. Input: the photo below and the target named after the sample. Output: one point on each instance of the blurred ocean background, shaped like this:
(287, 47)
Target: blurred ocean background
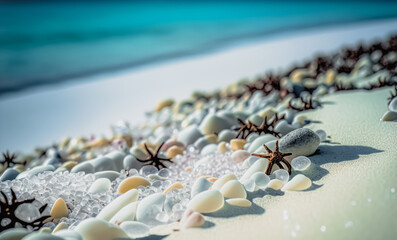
(44, 42)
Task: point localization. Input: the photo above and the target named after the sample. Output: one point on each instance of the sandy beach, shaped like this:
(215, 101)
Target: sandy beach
(91, 106)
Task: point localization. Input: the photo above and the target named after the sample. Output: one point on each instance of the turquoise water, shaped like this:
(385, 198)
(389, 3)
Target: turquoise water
(49, 42)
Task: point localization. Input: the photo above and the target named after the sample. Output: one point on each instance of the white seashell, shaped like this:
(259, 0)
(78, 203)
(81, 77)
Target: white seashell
(100, 185)
(132, 183)
(218, 184)
(240, 155)
(195, 219)
(59, 209)
(233, 189)
(207, 201)
(275, 184)
(298, 183)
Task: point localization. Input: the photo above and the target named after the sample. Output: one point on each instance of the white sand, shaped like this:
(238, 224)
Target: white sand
(47, 114)
(355, 200)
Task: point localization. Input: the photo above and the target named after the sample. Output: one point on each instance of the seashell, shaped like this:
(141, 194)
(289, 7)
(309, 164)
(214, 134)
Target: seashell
(59, 209)
(298, 183)
(207, 201)
(233, 189)
(132, 183)
(275, 184)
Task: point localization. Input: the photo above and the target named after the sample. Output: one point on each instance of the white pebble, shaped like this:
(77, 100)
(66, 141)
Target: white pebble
(206, 202)
(113, 207)
(240, 202)
(233, 189)
(240, 155)
(260, 179)
(100, 185)
(221, 181)
(135, 229)
(300, 163)
(322, 135)
(250, 185)
(275, 184)
(298, 183)
(258, 166)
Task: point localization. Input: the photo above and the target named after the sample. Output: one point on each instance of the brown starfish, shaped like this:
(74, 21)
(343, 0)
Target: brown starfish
(275, 157)
(154, 159)
(245, 129)
(8, 212)
(267, 128)
(8, 159)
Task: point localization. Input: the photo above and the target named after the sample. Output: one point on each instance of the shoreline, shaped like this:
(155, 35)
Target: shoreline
(35, 118)
(220, 45)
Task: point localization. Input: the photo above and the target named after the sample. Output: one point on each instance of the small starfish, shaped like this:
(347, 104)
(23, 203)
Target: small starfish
(245, 129)
(154, 159)
(8, 159)
(275, 157)
(267, 128)
(8, 212)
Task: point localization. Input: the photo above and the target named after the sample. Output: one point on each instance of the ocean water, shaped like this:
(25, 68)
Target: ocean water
(46, 42)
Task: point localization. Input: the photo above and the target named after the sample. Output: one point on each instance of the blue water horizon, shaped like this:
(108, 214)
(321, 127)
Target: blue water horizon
(47, 42)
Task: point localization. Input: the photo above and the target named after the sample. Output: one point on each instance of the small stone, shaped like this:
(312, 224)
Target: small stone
(237, 144)
(201, 143)
(298, 183)
(281, 175)
(45, 230)
(233, 189)
(300, 163)
(275, 184)
(103, 164)
(226, 135)
(212, 138)
(85, 167)
(127, 213)
(68, 235)
(60, 227)
(189, 135)
(393, 105)
(137, 153)
(240, 155)
(260, 141)
(114, 206)
(171, 143)
(41, 236)
(9, 174)
(111, 175)
(163, 104)
(98, 229)
(193, 220)
(258, 166)
(300, 142)
(211, 148)
(69, 165)
(207, 201)
(148, 170)
(213, 124)
(132, 183)
(14, 234)
(218, 184)
(299, 119)
(260, 179)
(322, 135)
(283, 127)
(176, 185)
(250, 185)
(99, 186)
(135, 229)
(200, 185)
(174, 151)
(149, 207)
(222, 148)
(389, 116)
(59, 209)
(239, 202)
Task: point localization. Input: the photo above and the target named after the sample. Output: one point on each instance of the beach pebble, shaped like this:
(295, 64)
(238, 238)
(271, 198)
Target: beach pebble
(130, 162)
(260, 141)
(211, 148)
(98, 229)
(240, 155)
(207, 201)
(68, 235)
(213, 124)
(45, 230)
(9, 174)
(127, 213)
(233, 189)
(222, 148)
(239, 202)
(100, 185)
(137, 153)
(275, 184)
(111, 175)
(163, 104)
(176, 185)
(200, 185)
(117, 159)
(218, 184)
(237, 144)
(251, 138)
(200, 143)
(59, 209)
(14, 234)
(60, 227)
(300, 163)
(85, 167)
(135, 229)
(283, 127)
(300, 142)
(258, 166)
(261, 179)
(149, 207)
(250, 185)
(299, 120)
(132, 183)
(281, 175)
(393, 105)
(298, 183)
(194, 220)
(226, 135)
(189, 135)
(174, 151)
(321, 134)
(170, 144)
(389, 116)
(114, 206)
(103, 164)
(212, 138)
(41, 236)
(35, 171)
(256, 119)
(69, 165)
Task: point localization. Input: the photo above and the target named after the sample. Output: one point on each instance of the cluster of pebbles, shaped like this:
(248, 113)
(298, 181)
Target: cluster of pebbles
(190, 158)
